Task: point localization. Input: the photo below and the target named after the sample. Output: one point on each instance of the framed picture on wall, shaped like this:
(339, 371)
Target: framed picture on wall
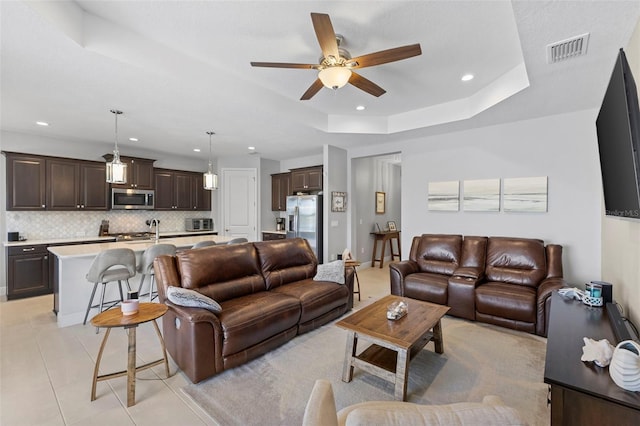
(380, 201)
(338, 201)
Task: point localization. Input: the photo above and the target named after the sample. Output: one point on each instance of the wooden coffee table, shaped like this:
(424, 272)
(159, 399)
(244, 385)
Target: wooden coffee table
(113, 318)
(395, 342)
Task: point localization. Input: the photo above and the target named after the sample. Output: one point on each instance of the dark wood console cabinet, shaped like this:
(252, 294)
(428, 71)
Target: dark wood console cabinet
(583, 393)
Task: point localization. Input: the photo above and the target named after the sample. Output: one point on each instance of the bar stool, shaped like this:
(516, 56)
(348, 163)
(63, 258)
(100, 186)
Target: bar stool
(205, 243)
(238, 240)
(146, 265)
(100, 272)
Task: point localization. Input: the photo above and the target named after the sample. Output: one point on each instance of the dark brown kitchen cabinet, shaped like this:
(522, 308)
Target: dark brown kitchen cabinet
(76, 185)
(202, 196)
(180, 190)
(271, 236)
(140, 172)
(280, 189)
(26, 182)
(27, 271)
(307, 179)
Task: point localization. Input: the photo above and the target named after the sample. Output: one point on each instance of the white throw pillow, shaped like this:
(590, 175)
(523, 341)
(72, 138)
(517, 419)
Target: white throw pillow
(333, 271)
(193, 299)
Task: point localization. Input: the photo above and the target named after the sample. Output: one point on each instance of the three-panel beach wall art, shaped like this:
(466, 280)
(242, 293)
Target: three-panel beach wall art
(524, 194)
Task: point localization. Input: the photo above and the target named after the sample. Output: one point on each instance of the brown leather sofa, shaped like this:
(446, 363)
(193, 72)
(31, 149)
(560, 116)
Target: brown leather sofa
(267, 294)
(497, 280)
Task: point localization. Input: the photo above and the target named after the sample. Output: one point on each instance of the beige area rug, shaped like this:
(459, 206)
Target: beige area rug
(478, 360)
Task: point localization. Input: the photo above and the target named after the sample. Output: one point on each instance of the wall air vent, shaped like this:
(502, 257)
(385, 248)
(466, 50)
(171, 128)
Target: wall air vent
(567, 49)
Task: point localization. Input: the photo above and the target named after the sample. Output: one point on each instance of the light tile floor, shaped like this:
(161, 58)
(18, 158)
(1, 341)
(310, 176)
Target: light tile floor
(45, 371)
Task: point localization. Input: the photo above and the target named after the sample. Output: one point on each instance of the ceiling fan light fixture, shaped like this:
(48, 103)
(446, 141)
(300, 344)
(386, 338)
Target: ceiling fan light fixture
(334, 77)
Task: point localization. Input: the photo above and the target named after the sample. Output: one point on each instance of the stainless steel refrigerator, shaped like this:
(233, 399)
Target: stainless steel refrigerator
(304, 219)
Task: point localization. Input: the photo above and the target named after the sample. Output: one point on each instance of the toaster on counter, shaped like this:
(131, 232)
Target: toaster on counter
(199, 224)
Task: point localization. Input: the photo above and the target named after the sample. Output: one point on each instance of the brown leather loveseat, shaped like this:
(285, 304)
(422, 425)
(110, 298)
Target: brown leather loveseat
(497, 280)
(267, 295)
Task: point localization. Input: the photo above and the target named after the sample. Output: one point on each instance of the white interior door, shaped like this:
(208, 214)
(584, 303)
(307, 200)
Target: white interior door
(240, 203)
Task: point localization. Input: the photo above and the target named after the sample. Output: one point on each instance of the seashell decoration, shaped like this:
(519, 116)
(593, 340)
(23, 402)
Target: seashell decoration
(625, 365)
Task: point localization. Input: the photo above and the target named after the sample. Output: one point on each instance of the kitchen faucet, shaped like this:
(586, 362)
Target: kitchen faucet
(156, 223)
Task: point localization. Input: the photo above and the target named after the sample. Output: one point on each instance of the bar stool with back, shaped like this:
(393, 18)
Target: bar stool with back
(146, 266)
(118, 264)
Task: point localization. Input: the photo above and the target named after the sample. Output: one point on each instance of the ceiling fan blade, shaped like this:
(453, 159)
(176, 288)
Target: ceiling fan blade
(325, 34)
(312, 90)
(283, 65)
(367, 85)
(386, 56)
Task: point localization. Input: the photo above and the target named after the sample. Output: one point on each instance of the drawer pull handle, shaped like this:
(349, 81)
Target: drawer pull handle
(29, 249)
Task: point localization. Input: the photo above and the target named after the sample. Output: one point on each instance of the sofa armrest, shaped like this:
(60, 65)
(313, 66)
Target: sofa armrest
(193, 337)
(321, 407)
(545, 289)
(398, 272)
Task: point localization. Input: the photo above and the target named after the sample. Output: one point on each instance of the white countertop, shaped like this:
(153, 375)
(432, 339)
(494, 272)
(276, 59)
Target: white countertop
(83, 250)
(75, 240)
(274, 232)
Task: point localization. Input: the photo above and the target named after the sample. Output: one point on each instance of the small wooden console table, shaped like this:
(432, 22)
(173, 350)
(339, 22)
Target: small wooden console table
(384, 236)
(114, 318)
(581, 392)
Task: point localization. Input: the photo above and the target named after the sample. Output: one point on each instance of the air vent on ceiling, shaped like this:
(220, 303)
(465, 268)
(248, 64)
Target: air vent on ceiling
(567, 49)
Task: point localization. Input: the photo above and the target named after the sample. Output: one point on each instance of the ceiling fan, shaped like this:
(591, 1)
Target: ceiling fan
(336, 65)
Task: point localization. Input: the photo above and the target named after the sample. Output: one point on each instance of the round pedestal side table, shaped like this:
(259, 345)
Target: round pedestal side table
(114, 318)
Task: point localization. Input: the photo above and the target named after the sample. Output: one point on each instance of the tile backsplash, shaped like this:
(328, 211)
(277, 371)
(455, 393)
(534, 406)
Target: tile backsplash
(50, 224)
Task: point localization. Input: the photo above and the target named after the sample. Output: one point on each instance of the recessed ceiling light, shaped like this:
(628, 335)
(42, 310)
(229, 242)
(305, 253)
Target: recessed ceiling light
(360, 107)
(133, 139)
(251, 148)
(467, 77)
(42, 123)
(196, 149)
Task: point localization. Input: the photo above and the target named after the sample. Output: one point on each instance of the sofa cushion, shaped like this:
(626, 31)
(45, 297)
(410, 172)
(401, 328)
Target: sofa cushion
(316, 297)
(250, 319)
(428, 287)
(514, 302)
(333, 271)
(516, 261)
(221, 272)
(438, 254)
(191, 298)
(286, 261)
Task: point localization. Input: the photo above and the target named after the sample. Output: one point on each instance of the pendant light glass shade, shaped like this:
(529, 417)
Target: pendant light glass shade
(210, 179)
(116, 169)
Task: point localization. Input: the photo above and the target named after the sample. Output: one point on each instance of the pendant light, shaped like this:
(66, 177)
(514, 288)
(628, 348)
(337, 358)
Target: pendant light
(210, 179)
(116, 169)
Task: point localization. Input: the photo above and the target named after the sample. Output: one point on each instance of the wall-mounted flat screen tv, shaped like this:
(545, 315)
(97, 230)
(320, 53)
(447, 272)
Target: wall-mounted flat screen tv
(618, 129)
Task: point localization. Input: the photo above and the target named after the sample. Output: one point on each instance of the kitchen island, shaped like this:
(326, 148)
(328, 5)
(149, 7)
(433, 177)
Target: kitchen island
(71, 289)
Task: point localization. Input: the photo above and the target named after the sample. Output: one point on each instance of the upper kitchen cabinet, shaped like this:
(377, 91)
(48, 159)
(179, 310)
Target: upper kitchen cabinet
(307, 179)
(76, 185)
(280, 188)
(26, 182)
(139, 172)
(180, 190)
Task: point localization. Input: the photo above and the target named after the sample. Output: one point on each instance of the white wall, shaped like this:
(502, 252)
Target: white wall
(621, 237)
(334, 223)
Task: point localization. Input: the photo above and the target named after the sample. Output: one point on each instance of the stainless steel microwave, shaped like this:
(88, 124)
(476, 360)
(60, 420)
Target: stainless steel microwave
(132, 199)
